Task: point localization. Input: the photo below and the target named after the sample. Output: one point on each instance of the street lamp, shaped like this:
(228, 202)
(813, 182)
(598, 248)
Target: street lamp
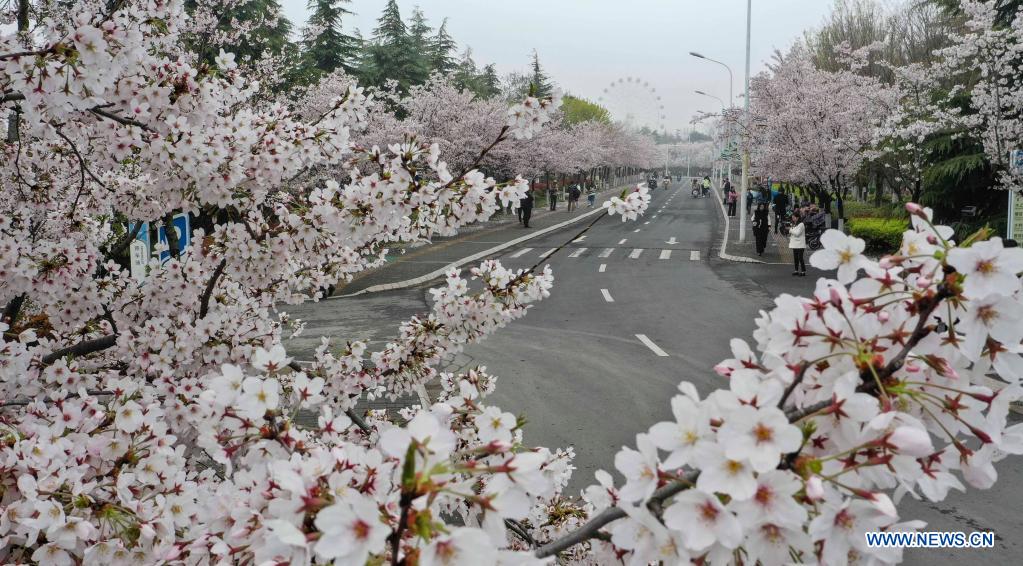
(714, 97)
(745, 146)
(731, 91)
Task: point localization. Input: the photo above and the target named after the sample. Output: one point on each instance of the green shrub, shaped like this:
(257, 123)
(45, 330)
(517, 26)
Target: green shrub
(859, 209)
(882, 235)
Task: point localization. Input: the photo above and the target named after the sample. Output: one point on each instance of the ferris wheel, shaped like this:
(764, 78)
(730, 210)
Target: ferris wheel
(634, 103)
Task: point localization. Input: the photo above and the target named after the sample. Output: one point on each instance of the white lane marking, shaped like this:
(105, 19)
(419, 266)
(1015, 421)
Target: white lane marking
(672, 241)
(647, 222)
(522, 252)
(623, 241)
(547, 253)
(607, 296)
(636, 253)
(653, 347)
(578, 252)
(665, 254)
(607, 252)
(654, 217)
(694, 255)
(603, 267)
(637, 230)
(580, 238)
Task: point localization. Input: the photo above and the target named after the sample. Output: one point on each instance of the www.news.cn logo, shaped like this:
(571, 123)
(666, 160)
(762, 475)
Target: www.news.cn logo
(931, 539)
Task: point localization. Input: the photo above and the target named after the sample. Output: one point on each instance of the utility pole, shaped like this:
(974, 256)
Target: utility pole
(745, 133)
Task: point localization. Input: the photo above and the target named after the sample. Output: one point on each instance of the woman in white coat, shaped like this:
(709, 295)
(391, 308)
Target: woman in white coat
(797, 243)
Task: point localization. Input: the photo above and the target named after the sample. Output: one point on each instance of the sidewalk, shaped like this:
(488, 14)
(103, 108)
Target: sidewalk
(776, 252)
(419, 260)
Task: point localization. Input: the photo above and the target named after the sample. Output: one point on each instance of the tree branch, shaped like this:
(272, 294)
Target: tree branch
(82, 348)
(204, 303)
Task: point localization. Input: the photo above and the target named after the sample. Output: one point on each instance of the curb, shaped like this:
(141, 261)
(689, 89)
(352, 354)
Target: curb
(723, 252)
(476, 256)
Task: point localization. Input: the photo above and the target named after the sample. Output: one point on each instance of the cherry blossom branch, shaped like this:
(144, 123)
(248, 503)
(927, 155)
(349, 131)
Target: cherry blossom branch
(204, 302)
(82, 348)
(592, 527)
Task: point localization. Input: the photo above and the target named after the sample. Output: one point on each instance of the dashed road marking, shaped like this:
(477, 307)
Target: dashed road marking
(522, 252)
(607, 295)
(647, 222)
(580, 238)
(636, 253)
(623, 241)
(547, 253)
(603, 267)
(650, 344)
(694, 255)
(578, 252)
(637, 230)
(665, 254)
(607, 252)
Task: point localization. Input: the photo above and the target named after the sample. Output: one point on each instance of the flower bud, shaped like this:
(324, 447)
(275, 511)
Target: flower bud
(916, 210)
(815, 488)
(911, 441)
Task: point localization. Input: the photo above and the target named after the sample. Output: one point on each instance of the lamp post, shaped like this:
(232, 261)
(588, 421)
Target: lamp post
(729, 160)
(731, 102)
(745, 146)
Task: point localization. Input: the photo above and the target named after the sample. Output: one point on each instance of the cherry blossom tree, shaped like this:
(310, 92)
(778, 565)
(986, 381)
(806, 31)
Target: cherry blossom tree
(815, 127)
(153, 419)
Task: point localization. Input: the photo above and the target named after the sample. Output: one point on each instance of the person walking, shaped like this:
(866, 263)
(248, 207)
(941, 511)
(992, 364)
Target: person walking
(573, 197)
(591, 195)
(731, 197)
(526, 208)
(760, 227)
(552, 197)
(797, 243)
(781, 204)
(751, 199)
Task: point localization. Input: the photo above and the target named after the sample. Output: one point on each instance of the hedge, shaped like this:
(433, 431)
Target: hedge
(882, 235)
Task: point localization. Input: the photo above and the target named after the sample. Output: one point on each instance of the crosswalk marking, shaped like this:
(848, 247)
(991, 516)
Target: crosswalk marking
(607, 252)
(607, 295)
(522, 252)
(636, 253)
(665, 254)
(578, 252)
(603, 267)
(547, 253)
(694, 255)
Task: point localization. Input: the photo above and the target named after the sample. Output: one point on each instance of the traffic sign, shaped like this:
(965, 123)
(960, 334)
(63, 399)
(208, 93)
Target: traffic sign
(183, 232)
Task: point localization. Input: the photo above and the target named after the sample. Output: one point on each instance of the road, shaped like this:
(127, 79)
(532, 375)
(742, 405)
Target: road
(638, 307)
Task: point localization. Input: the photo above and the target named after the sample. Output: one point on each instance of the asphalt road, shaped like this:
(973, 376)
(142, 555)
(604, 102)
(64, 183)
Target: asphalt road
(638, 307)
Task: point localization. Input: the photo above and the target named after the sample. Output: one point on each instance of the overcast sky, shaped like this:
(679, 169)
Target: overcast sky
(585, 45)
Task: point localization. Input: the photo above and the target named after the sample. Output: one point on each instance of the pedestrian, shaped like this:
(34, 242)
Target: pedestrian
(840, 205)
(526, 208)
(727, 186)
(760, 227)
(781, 204)
(591, 195)
(552, 197)
(573, 197)
(797, 243)
(731, 197)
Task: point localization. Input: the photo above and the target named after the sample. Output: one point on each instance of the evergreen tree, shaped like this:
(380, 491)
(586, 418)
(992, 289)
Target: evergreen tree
(327, 47)
(441, 50)
(465, 72)
(422, 46)
(270, 35)
(391, 55)
(542, 86)
(489, 83)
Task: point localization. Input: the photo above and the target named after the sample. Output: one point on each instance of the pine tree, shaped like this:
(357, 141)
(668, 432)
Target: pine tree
(489, 83)
(542, 86)
(270, 36)
(328, 48)
(465, 71)
(419, 32)
(390, 55)
(441, 49)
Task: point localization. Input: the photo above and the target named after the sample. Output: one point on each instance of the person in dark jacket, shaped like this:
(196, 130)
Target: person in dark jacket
(552, 197)
(526, 208)
(781, 203)
(761, 227)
